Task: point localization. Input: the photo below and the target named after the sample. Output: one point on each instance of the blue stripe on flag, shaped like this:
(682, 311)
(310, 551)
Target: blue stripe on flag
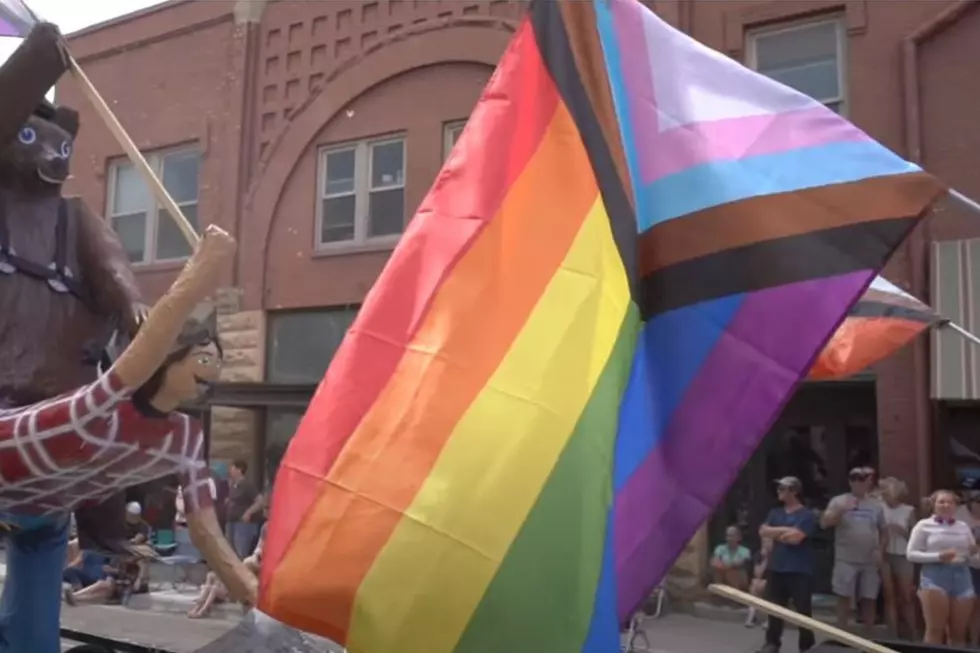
(669, 353)
(720, 182)
(614, 57)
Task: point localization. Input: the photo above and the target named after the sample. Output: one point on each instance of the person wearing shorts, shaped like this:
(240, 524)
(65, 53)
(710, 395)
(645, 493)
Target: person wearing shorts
(898, 573)
(859, 540)
(944, 546)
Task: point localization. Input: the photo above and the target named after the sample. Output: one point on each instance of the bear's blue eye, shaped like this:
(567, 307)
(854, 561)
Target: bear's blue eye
(27, 135)
(65, 149)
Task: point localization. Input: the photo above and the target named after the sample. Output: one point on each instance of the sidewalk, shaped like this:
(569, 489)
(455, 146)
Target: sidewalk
(165, 596)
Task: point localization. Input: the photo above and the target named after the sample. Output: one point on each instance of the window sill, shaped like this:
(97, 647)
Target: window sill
(348, 249)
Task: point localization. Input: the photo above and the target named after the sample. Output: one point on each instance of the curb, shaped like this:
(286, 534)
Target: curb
(170, 601)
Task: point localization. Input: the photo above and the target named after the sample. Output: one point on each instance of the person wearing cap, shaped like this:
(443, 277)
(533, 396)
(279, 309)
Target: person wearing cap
(860, 539)
(790, 566)
(137, 530)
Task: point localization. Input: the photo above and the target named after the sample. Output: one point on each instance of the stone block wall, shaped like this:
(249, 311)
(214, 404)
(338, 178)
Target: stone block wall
(686, 579)
(242, 333)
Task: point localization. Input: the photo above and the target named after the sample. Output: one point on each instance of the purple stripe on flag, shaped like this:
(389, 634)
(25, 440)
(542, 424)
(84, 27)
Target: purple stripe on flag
(730, 405)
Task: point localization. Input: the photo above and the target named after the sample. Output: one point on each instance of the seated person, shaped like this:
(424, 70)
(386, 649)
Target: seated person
(212, 592)
(729, 560)
(87, 569)
(137, 530)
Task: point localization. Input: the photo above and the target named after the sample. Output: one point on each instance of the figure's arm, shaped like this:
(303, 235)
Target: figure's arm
(110, 276)
(27, 75)
(153, 342)
(918, 544)
(202, 523)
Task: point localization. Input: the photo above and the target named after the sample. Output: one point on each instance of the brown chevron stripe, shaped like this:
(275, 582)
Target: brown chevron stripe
(771, 217)
(583, 39)
(869, 308)
(814, 255)
(894, 299)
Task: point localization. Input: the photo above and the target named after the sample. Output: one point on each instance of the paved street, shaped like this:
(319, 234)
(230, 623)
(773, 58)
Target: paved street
(681, 633)
(674, 633)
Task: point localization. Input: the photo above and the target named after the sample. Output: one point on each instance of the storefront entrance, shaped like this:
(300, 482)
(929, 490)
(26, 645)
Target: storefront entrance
(826, 429)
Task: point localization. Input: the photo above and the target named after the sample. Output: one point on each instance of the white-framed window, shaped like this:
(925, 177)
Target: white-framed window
(809, 56)
(361, 192)
(451, 132)
(147, 231)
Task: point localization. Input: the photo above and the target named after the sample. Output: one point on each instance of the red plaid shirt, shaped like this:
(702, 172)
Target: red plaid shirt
(83, 447)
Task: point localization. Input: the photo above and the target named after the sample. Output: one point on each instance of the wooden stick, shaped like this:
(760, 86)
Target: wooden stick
(798, 619)
(156, 187)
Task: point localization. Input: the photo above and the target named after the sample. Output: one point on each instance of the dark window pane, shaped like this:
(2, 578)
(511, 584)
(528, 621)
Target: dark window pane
(340, 172)
(180, 175)
(797, 47)
(388, 164)
(804, 59)
(130, 192)
(386, 212)
(302, 344)
(337, 223)
(171, 243)
(131, 230)
(280, 426)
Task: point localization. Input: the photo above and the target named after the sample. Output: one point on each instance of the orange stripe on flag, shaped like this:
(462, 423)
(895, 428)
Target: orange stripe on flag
(476, 315)
(861, 342)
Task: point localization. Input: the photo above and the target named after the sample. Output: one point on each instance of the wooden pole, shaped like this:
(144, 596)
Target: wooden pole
(156, 187)
(799, 620)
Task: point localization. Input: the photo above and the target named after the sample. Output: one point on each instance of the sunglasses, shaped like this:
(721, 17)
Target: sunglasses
(858, 477)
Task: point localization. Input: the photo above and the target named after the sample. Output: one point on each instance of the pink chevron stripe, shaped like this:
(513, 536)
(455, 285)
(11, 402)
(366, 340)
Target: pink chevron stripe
(737, 138)
(628, 23)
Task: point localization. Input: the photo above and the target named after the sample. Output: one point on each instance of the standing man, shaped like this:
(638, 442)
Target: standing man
(244, 510)
(859, 545)
(790, 569)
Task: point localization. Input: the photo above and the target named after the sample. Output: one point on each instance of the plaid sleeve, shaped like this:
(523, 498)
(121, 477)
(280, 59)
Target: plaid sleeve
(61, 426)
(195, 477)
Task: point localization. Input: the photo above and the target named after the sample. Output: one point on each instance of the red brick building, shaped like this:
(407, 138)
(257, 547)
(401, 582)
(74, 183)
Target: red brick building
(311, 130)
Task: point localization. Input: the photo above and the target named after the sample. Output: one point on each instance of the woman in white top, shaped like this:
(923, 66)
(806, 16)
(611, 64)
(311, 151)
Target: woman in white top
(898, 573)
(943, 545)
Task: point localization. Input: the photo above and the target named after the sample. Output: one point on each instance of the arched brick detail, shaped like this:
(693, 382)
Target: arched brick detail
(459, 41)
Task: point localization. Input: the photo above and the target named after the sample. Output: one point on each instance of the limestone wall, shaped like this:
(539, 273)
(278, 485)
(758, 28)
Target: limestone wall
(242, 333)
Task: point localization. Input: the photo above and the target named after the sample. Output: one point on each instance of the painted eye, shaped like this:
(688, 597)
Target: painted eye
(27, 135)
(65, 149)
(204, 360)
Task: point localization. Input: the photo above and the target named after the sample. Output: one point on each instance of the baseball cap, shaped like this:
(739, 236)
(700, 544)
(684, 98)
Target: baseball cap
(789, 482)
(133, 508)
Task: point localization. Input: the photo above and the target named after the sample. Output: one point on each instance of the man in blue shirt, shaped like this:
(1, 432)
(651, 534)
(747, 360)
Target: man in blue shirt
(790, 527)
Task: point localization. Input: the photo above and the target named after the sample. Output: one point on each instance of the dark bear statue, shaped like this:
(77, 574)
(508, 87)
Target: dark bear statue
(66, 287)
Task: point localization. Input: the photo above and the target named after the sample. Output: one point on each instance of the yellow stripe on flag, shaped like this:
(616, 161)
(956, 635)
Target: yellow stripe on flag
(424, 586)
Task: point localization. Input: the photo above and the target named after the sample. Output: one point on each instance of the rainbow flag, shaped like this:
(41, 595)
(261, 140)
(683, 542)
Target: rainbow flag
(884, 320)
(15, 18)
(629, 261)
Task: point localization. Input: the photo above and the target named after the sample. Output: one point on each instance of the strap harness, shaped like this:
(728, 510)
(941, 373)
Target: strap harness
(57, 275)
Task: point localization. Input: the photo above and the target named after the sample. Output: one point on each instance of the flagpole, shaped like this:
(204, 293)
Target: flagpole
(156, 187)
(963, 332)
(964, 201)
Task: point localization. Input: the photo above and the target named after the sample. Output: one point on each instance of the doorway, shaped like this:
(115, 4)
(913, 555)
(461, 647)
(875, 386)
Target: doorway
(826, 429)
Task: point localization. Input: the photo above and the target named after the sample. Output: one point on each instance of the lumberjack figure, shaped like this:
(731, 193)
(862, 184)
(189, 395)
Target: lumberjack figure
(121, 429)
(66, 289)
